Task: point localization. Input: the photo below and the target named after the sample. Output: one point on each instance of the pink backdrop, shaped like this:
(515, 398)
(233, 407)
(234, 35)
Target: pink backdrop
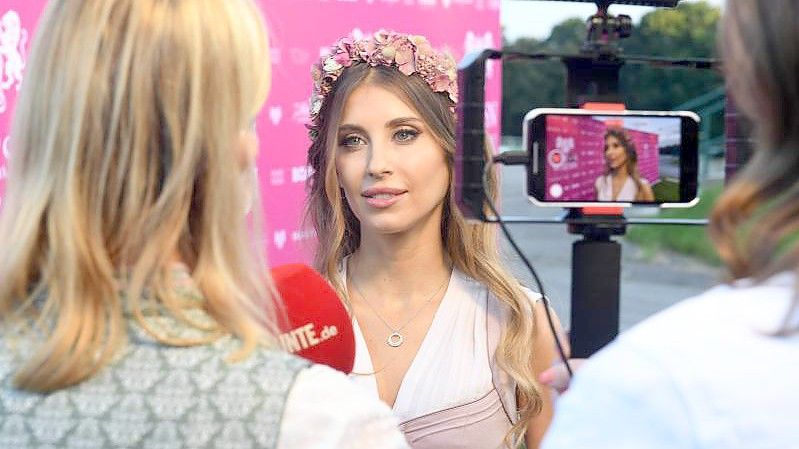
(299, 31)
(17, 19)
(575, 156)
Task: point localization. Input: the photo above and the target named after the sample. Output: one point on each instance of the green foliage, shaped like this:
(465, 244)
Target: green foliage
(686, 31)
(527, 85)
(667, 189)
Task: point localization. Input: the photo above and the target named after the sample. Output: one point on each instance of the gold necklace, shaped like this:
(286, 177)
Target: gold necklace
(395, 338)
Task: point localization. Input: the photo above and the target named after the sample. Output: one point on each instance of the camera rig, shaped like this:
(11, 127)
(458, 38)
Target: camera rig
(592, 76)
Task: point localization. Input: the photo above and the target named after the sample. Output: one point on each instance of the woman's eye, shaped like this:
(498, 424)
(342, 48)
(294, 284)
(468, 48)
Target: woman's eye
(405, 135)
(352, 141)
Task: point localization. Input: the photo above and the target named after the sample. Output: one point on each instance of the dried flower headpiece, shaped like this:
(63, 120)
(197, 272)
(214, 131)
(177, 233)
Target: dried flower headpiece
(409, 54)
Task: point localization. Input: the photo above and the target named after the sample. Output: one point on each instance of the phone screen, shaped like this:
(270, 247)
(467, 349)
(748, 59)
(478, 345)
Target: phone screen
(588, 158)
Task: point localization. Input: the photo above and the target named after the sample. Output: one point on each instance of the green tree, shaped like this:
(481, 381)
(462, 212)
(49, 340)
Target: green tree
(686, 31)
(529, 84)
(689, 30)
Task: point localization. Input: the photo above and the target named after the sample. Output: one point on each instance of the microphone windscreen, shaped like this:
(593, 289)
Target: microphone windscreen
(319, 327)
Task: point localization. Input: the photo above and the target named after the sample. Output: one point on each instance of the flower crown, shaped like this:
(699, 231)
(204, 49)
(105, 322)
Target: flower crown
(408, 53)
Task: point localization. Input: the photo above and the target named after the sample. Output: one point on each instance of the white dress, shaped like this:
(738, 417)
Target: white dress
(452, 364)
(604, 189)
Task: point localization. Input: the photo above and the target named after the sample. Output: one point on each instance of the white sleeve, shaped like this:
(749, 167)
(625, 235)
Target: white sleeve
(325, 409)
(621, 399)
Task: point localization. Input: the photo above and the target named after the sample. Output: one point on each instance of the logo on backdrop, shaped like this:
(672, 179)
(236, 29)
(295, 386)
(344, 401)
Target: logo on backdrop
(301, 112)
(275, 55)
(275, 114)
(476, 42)
(277, 177)
(280, 238)
(562, 156)
(301, 173)
(12, 48)
(299, 56)
(302, 235)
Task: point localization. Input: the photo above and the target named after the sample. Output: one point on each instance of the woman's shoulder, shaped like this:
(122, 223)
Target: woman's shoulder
(533, 296)
(477, 288)
(326, 409)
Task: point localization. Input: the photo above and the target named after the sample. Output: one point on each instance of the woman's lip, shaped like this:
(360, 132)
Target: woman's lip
(372, 191)
(382, 203)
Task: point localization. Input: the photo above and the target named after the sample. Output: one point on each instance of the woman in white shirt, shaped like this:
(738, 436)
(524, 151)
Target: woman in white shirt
(445, 335)
(621, 181)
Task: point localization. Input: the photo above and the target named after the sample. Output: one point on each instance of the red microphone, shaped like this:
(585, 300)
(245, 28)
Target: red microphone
(319, 327)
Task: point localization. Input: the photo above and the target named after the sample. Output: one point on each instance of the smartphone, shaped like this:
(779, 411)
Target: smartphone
(583, 158)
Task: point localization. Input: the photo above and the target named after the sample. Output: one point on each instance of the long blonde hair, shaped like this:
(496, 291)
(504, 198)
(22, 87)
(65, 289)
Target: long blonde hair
(123, 155)
(472, 247)
(755, 223)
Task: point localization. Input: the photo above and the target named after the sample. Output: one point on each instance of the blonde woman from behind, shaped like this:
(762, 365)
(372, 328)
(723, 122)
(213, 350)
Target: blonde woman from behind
(133, 310)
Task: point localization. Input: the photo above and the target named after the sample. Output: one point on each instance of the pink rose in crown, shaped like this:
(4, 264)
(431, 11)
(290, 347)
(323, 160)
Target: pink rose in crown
(440, 83)
(343, 58)
(345, 45)
(405, 58)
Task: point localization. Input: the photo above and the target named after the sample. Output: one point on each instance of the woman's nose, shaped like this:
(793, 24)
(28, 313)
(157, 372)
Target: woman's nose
(379, 163)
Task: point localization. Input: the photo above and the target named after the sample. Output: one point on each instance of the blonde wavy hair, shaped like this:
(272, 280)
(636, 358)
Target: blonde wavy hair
(755, 223)
(123, 156)
(472, 247)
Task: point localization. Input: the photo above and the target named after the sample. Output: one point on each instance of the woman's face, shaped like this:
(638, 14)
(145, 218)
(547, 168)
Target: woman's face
(393, 172)
(615, 154)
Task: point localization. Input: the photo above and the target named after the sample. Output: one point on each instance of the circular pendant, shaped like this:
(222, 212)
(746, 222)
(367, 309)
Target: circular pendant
(395, 340)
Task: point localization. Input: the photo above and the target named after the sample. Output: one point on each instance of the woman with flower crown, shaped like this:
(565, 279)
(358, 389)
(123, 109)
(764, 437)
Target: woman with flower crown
(444, 334)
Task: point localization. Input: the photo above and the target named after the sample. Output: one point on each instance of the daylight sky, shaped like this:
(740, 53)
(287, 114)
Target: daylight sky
(533, 18)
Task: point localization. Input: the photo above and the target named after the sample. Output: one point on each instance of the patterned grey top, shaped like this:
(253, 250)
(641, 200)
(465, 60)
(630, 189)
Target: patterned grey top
(154, 396)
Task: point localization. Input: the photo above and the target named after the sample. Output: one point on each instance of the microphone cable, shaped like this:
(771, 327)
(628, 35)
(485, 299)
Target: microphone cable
(518, 158)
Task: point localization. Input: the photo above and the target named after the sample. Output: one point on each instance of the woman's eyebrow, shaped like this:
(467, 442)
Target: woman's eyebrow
(348, 127)
(401, 121)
